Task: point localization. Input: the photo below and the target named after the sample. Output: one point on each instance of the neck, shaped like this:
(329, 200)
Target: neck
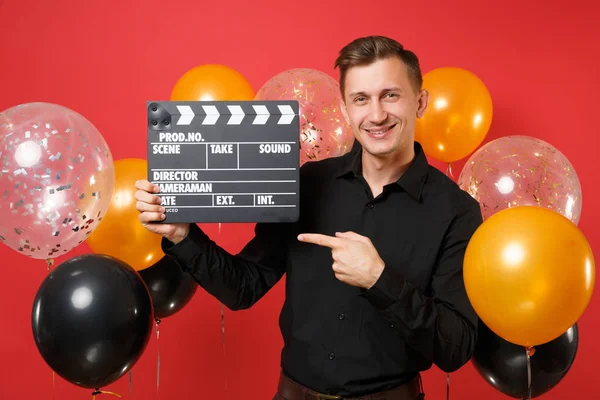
(381, 171)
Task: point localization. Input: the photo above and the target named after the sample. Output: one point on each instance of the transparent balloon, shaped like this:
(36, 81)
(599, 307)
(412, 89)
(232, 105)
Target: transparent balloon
(324, 132)
(56, 182)
(522, 171)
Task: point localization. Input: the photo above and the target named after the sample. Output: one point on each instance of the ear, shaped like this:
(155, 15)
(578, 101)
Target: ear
(422, 102)
(344, 111)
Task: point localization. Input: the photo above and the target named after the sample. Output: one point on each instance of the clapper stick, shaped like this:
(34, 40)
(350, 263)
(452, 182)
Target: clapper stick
(225, 161)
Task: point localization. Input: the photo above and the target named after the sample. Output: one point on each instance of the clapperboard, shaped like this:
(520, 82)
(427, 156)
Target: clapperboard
(225, 161)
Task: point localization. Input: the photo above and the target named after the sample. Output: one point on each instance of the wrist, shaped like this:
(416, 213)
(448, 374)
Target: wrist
(387, 289)
(179, 235)
(376, 272)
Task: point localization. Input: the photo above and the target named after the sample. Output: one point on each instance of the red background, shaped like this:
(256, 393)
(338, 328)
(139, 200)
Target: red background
(104, 59)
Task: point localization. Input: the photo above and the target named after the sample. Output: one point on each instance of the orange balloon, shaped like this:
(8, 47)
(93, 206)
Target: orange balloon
(458, 116)
(529, 273)
(120, 234)
(212, 82)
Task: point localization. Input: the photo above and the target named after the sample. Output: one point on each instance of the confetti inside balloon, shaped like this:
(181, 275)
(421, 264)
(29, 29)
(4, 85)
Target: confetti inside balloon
(522, 171)
(324, 132)
(56, 182)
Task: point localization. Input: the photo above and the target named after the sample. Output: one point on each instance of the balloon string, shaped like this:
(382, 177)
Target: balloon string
(49, 263)
(98, 392)
(130, 382)
(223, 339)
(529, 351)
(447, 386)
(449, 171)
(158, 356)
(223, 328)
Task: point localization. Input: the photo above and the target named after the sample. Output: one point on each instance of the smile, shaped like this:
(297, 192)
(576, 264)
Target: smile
(379, 131)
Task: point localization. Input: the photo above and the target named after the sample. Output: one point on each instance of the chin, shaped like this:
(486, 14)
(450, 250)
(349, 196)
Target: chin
(380, 149)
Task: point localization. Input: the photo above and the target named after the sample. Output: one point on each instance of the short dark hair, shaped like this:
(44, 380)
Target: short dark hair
(366, 50)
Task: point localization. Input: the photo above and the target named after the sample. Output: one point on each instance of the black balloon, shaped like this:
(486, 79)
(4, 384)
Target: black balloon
(504, 365)
(170, 288)
(92, 319)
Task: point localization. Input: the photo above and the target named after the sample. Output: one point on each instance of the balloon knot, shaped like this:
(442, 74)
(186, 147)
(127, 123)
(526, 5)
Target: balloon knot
(530, 351)
(449, 172)
(98, 392)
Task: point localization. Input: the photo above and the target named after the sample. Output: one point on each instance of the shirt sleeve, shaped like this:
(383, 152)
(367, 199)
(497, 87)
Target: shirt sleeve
(237, 281)
(443, 327)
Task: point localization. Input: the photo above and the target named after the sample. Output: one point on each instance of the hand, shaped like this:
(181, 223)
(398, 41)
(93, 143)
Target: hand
(148, 204)
(355, 259)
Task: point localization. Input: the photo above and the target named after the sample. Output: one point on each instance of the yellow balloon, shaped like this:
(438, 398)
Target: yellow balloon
(529, 273)
(120, 233)
(458, 116)
(212, 82)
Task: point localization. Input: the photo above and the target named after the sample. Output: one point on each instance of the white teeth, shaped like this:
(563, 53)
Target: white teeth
(372, 132)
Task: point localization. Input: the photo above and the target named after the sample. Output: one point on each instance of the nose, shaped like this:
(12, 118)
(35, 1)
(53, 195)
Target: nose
(377, 115)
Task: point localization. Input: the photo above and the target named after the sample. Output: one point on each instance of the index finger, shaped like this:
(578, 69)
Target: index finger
(321, 240)
(146, 186)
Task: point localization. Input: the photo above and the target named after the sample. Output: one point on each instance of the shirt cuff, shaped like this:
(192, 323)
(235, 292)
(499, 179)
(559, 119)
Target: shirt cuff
(386, 290)
(188, 249)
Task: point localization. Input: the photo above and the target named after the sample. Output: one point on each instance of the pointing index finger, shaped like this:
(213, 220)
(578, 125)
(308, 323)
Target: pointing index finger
(321, 240)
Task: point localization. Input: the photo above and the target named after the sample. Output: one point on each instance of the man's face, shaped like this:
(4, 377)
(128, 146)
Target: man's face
(381, 105)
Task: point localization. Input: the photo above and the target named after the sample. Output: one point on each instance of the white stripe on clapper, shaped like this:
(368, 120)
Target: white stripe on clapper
(287, 115)
(262, 115)
(187, 115)
(237, 115)
(212, 115)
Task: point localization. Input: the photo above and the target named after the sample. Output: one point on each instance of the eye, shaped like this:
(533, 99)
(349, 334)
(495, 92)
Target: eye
(360, 99)
(392, 95)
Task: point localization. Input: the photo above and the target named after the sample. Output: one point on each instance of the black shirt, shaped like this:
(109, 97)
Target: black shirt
(340, 339)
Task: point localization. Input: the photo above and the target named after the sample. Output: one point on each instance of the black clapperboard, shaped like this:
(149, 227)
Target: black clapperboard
(225, 161)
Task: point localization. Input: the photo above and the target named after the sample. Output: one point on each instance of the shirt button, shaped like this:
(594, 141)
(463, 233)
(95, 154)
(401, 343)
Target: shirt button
(371, 205)
(341, 316)
(391, 325)
(331, 356)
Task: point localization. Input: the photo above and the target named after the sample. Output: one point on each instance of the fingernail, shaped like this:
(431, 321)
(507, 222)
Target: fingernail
(156, 189)
(162, 209)
(163, 216)
(300, 237)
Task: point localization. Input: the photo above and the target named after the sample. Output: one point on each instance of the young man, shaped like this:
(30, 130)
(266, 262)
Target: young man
(374, 287)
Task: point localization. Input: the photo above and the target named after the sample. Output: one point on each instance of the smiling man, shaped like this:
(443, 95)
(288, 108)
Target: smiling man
(374, 290)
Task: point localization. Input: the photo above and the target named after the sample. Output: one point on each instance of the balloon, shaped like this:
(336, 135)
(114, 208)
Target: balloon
(522, 171)
(504, 365)
(324, 132)
(458, 116)
(92, 319)
(529, 273)
(212, 82)
(120, 234)
(170, 288)
(56, 180)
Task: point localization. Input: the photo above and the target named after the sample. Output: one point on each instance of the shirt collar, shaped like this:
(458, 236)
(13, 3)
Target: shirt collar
(412, 180)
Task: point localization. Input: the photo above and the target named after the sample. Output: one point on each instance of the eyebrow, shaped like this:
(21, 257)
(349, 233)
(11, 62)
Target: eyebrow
(390, 89)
